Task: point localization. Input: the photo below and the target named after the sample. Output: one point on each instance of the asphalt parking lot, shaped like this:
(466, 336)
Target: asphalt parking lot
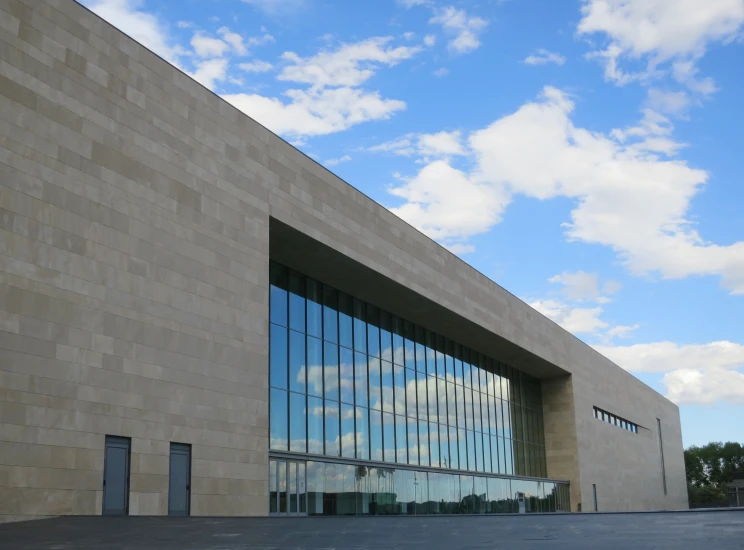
(678, 530)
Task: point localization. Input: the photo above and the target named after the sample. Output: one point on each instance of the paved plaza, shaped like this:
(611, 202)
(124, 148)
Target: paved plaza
(680, 531)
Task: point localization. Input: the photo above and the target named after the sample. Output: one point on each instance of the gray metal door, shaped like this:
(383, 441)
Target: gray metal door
(116, 476)
(179, 488)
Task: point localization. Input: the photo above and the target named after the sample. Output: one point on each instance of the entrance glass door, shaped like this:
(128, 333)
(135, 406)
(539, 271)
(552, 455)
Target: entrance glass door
(287, 488)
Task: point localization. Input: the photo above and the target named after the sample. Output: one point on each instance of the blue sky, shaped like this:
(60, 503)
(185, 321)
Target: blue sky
(586, 155)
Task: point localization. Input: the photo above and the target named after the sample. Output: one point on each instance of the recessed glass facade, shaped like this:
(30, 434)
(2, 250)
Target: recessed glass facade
(330, 489)
(350, 381)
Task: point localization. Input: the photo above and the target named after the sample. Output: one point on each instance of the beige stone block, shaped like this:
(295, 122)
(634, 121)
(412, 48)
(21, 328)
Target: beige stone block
(149, 464)
(149, 483)
(9, 322)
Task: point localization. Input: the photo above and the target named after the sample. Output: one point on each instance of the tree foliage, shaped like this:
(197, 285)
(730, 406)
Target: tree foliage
(714, 463)
(709, 469)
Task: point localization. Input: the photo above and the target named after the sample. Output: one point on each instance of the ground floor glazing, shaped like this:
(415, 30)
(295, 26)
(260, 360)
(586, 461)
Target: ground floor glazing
(312, 487)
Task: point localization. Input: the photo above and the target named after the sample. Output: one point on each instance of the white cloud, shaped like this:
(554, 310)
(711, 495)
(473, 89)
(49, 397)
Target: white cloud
(463, 29)
(621, 331)
(209, 72)
(208, 47)
(659, 31)
(611, 287)
(409, 35)
(337, 161)
(144, 27)
(693, 373)
(266, 38)
(256, 66)
(705, 387)
(403, 146)
(316, 112)
(441, 144)
(334, 99)
(349, 65)
(430, 40)
(673, 103)
(581, 286)
(461, 249)
(571, 311)
(652, 133)
(576, 320)
(685, 72)
(669, 356)
(543, 56)
(234, 39)
(185, 25)
(447, 204)
(629, 195)
(442, 71)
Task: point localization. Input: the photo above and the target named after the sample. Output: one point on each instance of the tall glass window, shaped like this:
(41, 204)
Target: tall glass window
(350, 380)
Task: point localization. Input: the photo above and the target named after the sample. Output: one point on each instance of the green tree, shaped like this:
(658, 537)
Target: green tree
(709, 469)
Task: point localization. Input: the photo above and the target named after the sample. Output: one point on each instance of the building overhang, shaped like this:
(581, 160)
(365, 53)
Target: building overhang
(302, 253)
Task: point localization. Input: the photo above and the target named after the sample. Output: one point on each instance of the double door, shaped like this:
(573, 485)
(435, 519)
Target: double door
(287, 488)
(116, 472)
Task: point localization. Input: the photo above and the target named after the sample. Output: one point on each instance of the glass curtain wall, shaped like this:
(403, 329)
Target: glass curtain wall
(345, 489)
(350, 380)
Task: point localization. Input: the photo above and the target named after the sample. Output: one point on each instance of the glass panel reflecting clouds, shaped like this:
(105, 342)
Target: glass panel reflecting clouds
(343, 361)
(387, 390)
(375, 435)
(297, 422)
(278, 356)
(314, 366)
(297, 370)
(362, 433)
(346, 370)
(361, 380)
(330, 371)
(314, 309)
(278, 420)
(388, 436)
(375, 388)
(348, 443)
(401, 440)
(332, 426)
(314, 425)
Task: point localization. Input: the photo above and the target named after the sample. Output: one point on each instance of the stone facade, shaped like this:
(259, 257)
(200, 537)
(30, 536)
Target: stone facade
(135, 210)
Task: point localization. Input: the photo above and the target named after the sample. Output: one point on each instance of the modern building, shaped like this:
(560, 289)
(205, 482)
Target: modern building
(196, 318)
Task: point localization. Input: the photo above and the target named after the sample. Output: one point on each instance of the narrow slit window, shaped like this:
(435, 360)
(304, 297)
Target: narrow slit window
(615, 420)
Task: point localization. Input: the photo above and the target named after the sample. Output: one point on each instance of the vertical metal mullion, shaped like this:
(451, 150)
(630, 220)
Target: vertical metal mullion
(289, 484)
(297, 479)
(276, 488)
(297, 487)
(353, 373)
(392, 375)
